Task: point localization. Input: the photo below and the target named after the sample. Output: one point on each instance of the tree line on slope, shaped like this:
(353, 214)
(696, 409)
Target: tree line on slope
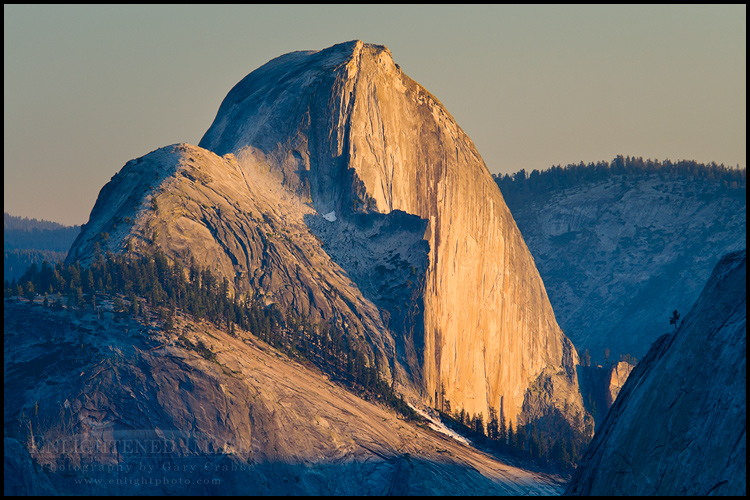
(138, 284)
(151, 283)
(23, 233)
(519, 186)
(527, 442)
(585, 357)
(15, 262)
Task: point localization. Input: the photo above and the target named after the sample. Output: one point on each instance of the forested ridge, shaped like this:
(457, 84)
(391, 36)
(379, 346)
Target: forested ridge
(13, 222)
(527, 442)
(152, 284)
(24, 233)
(520, 185)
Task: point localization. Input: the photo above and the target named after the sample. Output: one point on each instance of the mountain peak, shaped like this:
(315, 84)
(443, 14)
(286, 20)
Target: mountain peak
(355, 47)
(352, 134)
(351, 194)
(258, 110)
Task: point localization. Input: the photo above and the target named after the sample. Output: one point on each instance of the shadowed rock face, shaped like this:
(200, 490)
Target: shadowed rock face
(618, 256)
(349, 148)
(601, 385)
(678, 425)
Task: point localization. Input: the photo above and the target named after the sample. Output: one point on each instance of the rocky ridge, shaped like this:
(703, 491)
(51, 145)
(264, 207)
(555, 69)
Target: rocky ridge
(678, 426)
(236, 220)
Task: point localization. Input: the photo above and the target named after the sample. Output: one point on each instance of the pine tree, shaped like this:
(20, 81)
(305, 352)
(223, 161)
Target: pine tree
(29, 289)
(168, 321)
(478, 425)
(511, 435)
(534, 447)
(559, 454)
(521, 438)
(674, 319)
(572, 449)
(134, 306)
(502, 432)
(78, 297)
(492, 424)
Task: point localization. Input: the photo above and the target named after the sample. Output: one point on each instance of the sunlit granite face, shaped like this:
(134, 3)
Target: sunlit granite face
(381, 214)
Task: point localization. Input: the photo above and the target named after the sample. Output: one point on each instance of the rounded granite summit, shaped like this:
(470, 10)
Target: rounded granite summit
(418, 252)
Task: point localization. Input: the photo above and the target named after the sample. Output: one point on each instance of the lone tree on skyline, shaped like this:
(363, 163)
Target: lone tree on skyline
(674, 319)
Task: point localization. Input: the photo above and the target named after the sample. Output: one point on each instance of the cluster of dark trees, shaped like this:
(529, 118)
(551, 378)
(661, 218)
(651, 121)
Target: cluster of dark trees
(520, 185)
(139, 285)
(15, 262)
(585, 358)
(529, 442)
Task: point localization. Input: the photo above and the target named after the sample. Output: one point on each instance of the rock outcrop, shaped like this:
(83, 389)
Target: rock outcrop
(617, 376)
(679, 423)
(373, 209)
(600, 386)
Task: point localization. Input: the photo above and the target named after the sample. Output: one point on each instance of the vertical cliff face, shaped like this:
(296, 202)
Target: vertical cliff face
(678, 426)
(348, 131)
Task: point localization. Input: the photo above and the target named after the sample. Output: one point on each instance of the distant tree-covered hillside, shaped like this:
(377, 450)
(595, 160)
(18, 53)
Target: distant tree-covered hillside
(11, 222)
(16, 261)
(520, 186)
(27, 241)
(24, 233)
(620, 245)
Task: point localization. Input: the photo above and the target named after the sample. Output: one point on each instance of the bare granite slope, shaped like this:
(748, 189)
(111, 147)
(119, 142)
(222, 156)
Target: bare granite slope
(678, 425)
(128, 409)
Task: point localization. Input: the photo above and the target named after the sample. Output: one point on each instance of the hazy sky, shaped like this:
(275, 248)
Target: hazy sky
(88, 88)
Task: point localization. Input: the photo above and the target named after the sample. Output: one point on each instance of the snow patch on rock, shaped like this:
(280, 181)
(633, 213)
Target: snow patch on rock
(436, 425)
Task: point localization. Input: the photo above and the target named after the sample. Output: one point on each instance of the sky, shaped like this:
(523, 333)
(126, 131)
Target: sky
(88, 88)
